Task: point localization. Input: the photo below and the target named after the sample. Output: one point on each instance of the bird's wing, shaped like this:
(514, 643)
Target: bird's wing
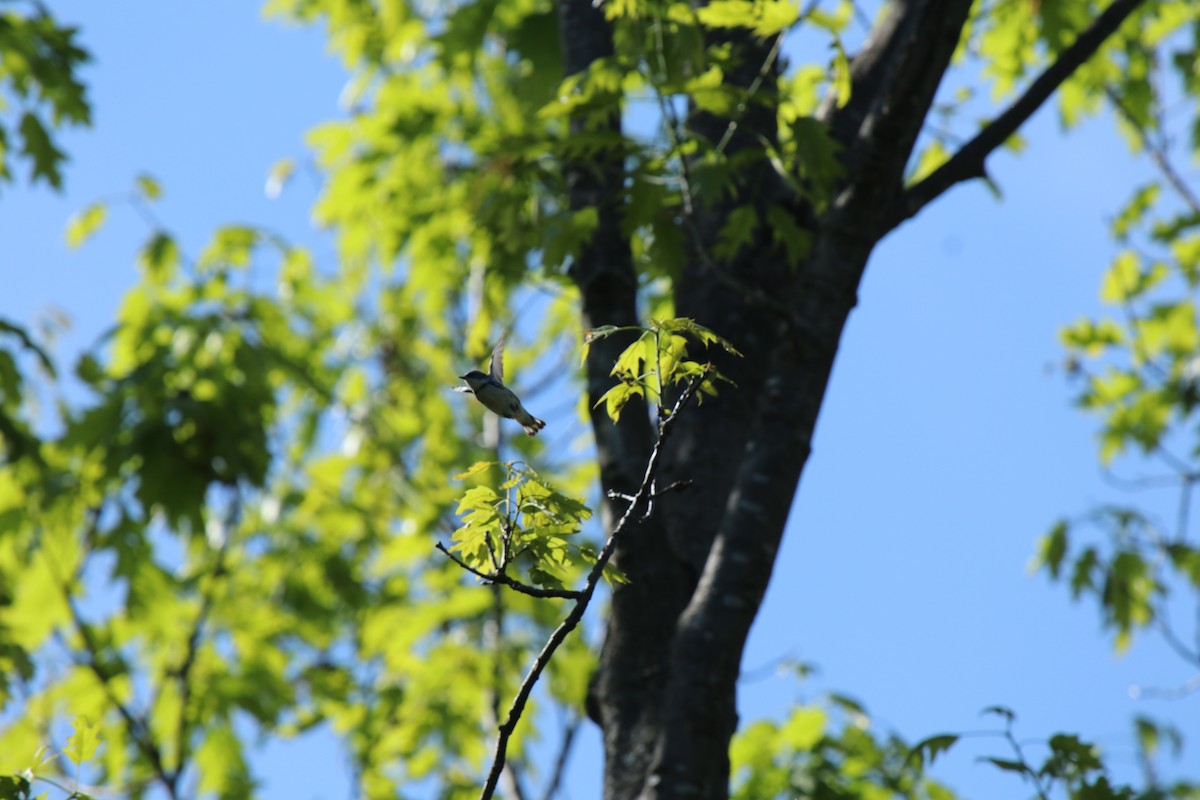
(497, 366)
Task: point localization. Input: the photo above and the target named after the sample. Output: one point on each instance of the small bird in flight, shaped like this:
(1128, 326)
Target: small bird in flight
(490, 390)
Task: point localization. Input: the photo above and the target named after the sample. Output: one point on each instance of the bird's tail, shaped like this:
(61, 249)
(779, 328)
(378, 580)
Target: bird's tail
(529, 422)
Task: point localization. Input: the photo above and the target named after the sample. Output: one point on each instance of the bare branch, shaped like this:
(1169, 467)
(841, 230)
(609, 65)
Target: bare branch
(968, 162)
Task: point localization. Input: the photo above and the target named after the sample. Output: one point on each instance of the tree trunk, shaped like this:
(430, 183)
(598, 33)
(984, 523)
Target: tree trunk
(666, 686)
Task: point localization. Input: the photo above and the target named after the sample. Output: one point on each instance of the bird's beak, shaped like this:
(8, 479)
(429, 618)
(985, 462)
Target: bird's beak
(462, 377)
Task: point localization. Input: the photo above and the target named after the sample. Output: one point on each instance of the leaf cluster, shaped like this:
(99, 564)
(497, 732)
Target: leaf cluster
(40, 61)
(656, 361)
(524, 523)
(828, 749)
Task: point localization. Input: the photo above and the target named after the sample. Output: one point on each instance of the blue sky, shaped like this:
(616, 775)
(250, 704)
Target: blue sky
(946, 446)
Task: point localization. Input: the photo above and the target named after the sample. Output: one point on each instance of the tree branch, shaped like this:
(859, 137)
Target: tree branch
(968, 162)
(585, 595)
(504, 580)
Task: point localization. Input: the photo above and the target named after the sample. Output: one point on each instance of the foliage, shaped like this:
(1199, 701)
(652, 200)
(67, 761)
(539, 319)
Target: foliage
(524, 522)
(657, 360)
(831, 750)
(1136, 367)
(256, 508)
(1072, 767)
(39, 64)
(232, 537)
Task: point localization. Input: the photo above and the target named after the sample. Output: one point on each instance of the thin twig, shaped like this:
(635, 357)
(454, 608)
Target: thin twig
(493, 636)
(585, 595)
(751, 90)
(506, 580)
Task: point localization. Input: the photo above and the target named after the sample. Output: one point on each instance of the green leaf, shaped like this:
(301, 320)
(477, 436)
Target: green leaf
(278, 176)
(765, 17)
(932, 157)
(633, 358)
(37, 145)
(82, 744)
(1000, 711)
(1009, 766)
(1084, 572)
(926, 751)
(14, 787)
(1052, 549)
(1126, 279)
(804, 727)
(221, 765)
(775, 16)
(840, 74)
(148, 188)
(737, 232)
(796, 241)
(478, 498)
(1135, 210)
(84, 223)
(727, 14)
(617, 397)
(159, 258)
(475, 469)
(231, 245)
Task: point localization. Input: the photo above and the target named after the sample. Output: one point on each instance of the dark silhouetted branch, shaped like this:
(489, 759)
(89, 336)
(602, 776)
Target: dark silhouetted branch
(968, 162)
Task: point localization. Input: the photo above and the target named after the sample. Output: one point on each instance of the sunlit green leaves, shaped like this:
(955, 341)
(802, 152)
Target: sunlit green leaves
(221, 766)
(830, 749)
(1128, 279)
(657, 359)
(82, 744)
(764, 17)
(231, 245)
(523, 523)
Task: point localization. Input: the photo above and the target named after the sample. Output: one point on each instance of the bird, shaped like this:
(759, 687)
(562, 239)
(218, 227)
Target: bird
(489, 389)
